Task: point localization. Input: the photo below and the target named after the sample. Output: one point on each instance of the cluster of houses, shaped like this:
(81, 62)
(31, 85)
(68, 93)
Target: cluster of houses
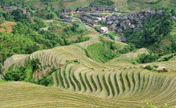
(66, 18)
(134, 20)
(91, 19)
(94, 8)
(119, 23)
(10, 9)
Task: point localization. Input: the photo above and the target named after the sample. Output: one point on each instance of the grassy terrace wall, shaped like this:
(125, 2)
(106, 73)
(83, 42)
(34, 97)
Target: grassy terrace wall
(77, 72)
(128, 82)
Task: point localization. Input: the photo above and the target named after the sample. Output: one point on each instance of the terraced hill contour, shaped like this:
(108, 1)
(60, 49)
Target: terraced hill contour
(77, 72)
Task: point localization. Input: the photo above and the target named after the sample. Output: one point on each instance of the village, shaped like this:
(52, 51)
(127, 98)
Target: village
(10, 9)
(94, 17)
(112, 22)
(104, 19)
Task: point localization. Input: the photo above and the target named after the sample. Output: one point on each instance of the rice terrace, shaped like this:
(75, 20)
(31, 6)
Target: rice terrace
(87, 54)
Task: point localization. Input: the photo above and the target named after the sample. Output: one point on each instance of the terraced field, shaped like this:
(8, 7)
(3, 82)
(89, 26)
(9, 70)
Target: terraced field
(77, 72)
(27, 95)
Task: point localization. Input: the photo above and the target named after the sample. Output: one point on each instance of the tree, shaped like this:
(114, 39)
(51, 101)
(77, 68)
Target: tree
(18, 15)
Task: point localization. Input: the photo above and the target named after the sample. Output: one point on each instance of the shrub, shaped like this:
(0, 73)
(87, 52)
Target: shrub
(16, 75)
(46, 81)
(1, 69)
(147, 58)
(148, 67)
(23, 73)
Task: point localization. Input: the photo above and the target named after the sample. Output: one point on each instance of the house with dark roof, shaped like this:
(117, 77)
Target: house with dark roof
(116, 21)
(112, 27)
(67, 21)
(109, 9)
(173, 18)
(100, 8)
(93, 9)
(63, 15)
(109, 23)
(119, 30)
(103, 21)
(81, 10)
(132, 26)
(128, 22)
(28, 14)
(96, 15)
(70, 11)
(123, 39)
(100, 30)
(160, 12)
(92, 23)
(8, 9)
(23, 10)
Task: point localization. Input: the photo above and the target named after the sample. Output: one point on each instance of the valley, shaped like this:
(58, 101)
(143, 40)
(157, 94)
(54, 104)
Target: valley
(90, 53)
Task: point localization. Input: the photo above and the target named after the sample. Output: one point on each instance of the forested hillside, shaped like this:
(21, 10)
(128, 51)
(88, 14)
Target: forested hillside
(27, 36)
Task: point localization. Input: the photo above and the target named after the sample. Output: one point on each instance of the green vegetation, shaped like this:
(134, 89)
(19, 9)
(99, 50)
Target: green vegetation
(27, 36)
(146, 58)
(97, 53)
(148, 67)
(88, 83)
(167, 58)
(3, 81)
(103, 51)
(23, 73)
(46, 81)
(77, 82)
(93, 82)
(104, 80)
(72, 83)
(154, 31)
(152, 106)
(82, 81)
(106, 85)
(82, 39)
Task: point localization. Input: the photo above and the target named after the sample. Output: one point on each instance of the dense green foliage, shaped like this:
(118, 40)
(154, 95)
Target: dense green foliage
(1, 69)
(23, 73)
(15, 44)
(107, 50)
(82, 39)
(13, 2)
(148, 67)
(103, 51)
(46, 81)
(167, 58)
(154, 30)
(147, 58)
(27, 36)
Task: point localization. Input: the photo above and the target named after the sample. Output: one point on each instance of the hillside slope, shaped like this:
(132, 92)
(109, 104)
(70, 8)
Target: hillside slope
(121, 5)
(77, 72)
(22, 94)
